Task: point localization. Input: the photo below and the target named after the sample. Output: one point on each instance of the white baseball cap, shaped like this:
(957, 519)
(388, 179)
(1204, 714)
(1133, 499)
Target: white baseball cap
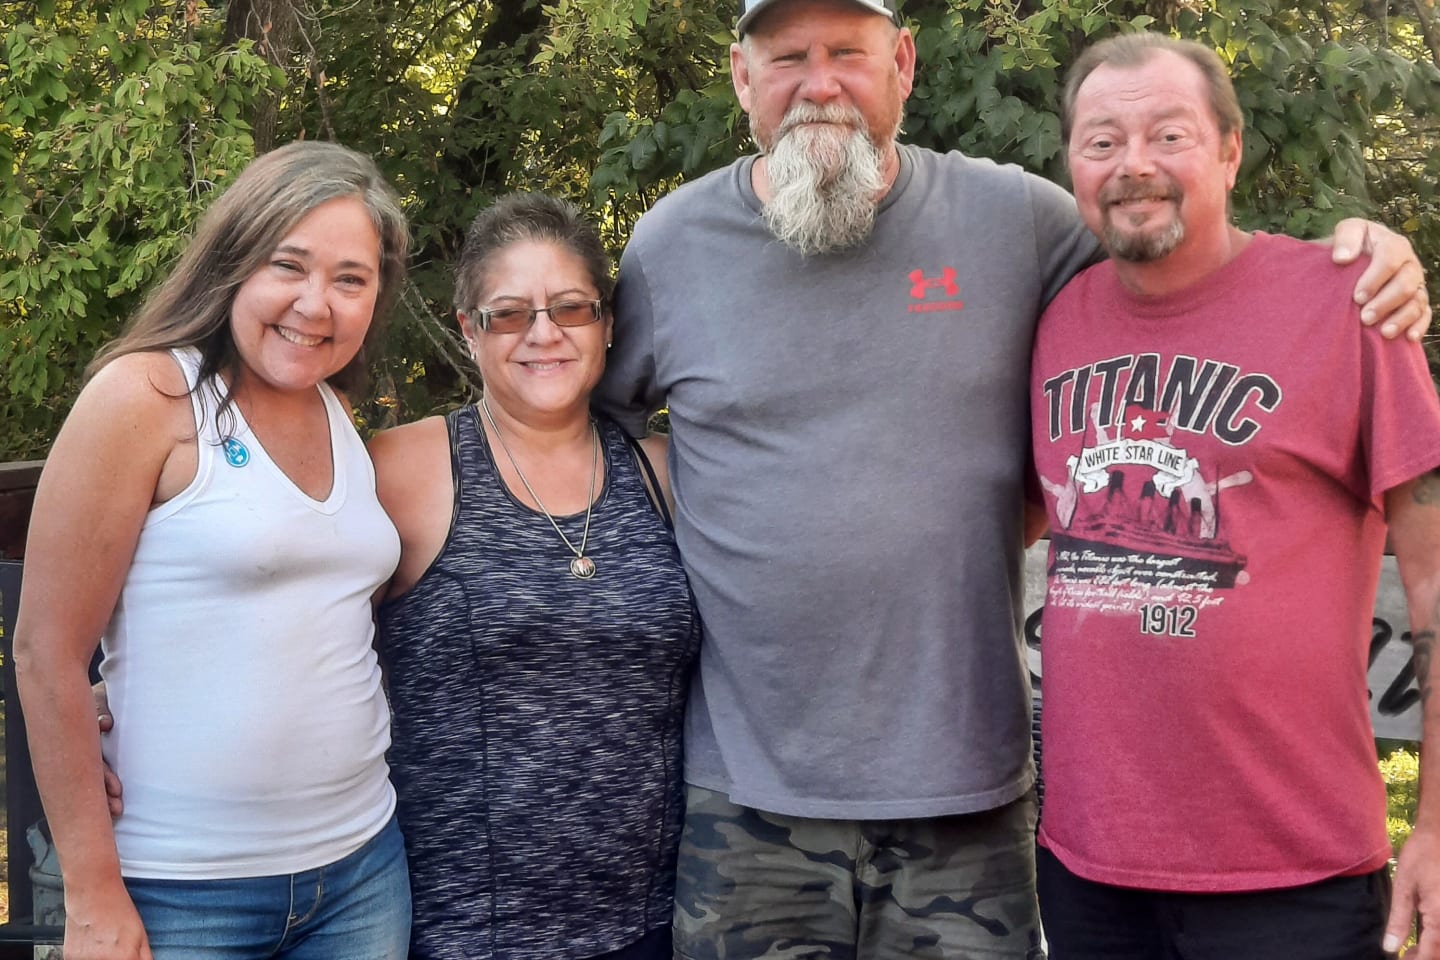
(750, 9)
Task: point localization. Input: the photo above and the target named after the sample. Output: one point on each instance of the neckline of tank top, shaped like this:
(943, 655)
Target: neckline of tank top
(581, 567)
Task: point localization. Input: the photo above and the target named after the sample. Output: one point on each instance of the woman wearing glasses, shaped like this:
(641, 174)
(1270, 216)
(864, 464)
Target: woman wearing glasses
(539, 631)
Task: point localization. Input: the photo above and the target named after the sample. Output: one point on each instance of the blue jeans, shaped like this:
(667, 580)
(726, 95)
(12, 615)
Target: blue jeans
(357, 908)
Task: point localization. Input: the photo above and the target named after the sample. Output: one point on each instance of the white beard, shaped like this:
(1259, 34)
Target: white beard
(825, 180)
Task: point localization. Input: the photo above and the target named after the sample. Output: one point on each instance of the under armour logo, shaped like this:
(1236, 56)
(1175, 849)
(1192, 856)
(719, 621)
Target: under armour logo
(921, 284)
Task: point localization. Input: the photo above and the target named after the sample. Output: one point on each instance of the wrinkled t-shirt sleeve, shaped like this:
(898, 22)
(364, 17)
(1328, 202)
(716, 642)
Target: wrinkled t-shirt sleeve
(628, 391)
(1400, 414)
(1063, 244)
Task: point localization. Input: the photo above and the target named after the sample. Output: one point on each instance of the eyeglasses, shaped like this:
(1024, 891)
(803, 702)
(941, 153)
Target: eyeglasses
(565, 313)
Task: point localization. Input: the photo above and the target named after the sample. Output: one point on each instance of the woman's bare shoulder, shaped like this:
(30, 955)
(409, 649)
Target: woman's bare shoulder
(390, 449)
(412, 465)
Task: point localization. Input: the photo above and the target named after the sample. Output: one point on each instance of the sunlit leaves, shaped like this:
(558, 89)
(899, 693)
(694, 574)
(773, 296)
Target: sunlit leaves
(1341, 109)
(111, 166)
(118, 120)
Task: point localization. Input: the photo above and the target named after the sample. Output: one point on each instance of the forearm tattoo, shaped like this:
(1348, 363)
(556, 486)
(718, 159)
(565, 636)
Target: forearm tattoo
(1420, 660)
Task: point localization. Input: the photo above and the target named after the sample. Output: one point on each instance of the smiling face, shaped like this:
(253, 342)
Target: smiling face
(544, 372)
(302, 316)
(1151, 171)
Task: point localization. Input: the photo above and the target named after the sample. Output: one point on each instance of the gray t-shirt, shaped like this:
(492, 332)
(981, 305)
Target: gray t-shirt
(849, 439)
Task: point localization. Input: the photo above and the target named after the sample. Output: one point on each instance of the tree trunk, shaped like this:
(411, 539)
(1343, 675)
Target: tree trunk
(273, 25)
(513, 32)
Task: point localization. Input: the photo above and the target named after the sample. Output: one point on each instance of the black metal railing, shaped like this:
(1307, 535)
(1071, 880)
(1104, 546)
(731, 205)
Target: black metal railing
(22, 800)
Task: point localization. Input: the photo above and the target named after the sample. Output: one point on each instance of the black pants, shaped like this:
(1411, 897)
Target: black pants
(1342, 918)
(655, 945)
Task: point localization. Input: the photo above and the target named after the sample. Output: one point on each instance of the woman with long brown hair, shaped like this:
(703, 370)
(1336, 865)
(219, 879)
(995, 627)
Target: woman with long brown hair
(208, 517)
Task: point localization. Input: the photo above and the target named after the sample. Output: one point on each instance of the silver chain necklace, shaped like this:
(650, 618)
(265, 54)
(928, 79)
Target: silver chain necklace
(582, 567)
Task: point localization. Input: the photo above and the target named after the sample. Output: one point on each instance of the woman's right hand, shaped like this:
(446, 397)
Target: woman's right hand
(104, 925)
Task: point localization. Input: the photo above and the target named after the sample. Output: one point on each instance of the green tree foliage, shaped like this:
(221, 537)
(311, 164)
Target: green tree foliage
(119, 122)
(1342, 101)
(1400, 769)
(114, 126)
(460, 102)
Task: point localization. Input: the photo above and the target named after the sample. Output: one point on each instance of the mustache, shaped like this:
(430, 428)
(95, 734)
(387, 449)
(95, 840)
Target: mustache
(1122, 193)
(803, 113)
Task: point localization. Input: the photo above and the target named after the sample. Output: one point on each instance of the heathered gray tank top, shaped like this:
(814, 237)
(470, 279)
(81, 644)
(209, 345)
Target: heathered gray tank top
(537, 719)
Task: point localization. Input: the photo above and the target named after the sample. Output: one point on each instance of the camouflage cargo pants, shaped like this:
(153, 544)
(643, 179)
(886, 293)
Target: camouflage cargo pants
(754, 884)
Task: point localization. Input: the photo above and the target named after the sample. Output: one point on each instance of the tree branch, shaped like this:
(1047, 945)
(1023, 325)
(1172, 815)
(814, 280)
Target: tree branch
(1429, 20)
(272, 25)
(440, 21)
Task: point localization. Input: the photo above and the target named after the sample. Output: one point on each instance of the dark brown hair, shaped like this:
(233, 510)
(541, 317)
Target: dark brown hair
(527, 217)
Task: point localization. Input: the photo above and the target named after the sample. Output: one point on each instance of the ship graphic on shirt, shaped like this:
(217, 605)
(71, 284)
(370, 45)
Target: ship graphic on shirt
(1139, 526)
(1135, 493)
(1138, 521)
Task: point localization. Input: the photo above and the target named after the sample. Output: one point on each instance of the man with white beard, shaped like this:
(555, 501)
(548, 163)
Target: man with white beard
(841, 328)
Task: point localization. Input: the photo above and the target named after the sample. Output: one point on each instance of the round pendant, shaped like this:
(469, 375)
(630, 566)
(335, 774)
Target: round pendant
(582, 568)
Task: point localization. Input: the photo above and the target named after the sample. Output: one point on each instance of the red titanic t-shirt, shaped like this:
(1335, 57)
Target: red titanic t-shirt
(1214, 464)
